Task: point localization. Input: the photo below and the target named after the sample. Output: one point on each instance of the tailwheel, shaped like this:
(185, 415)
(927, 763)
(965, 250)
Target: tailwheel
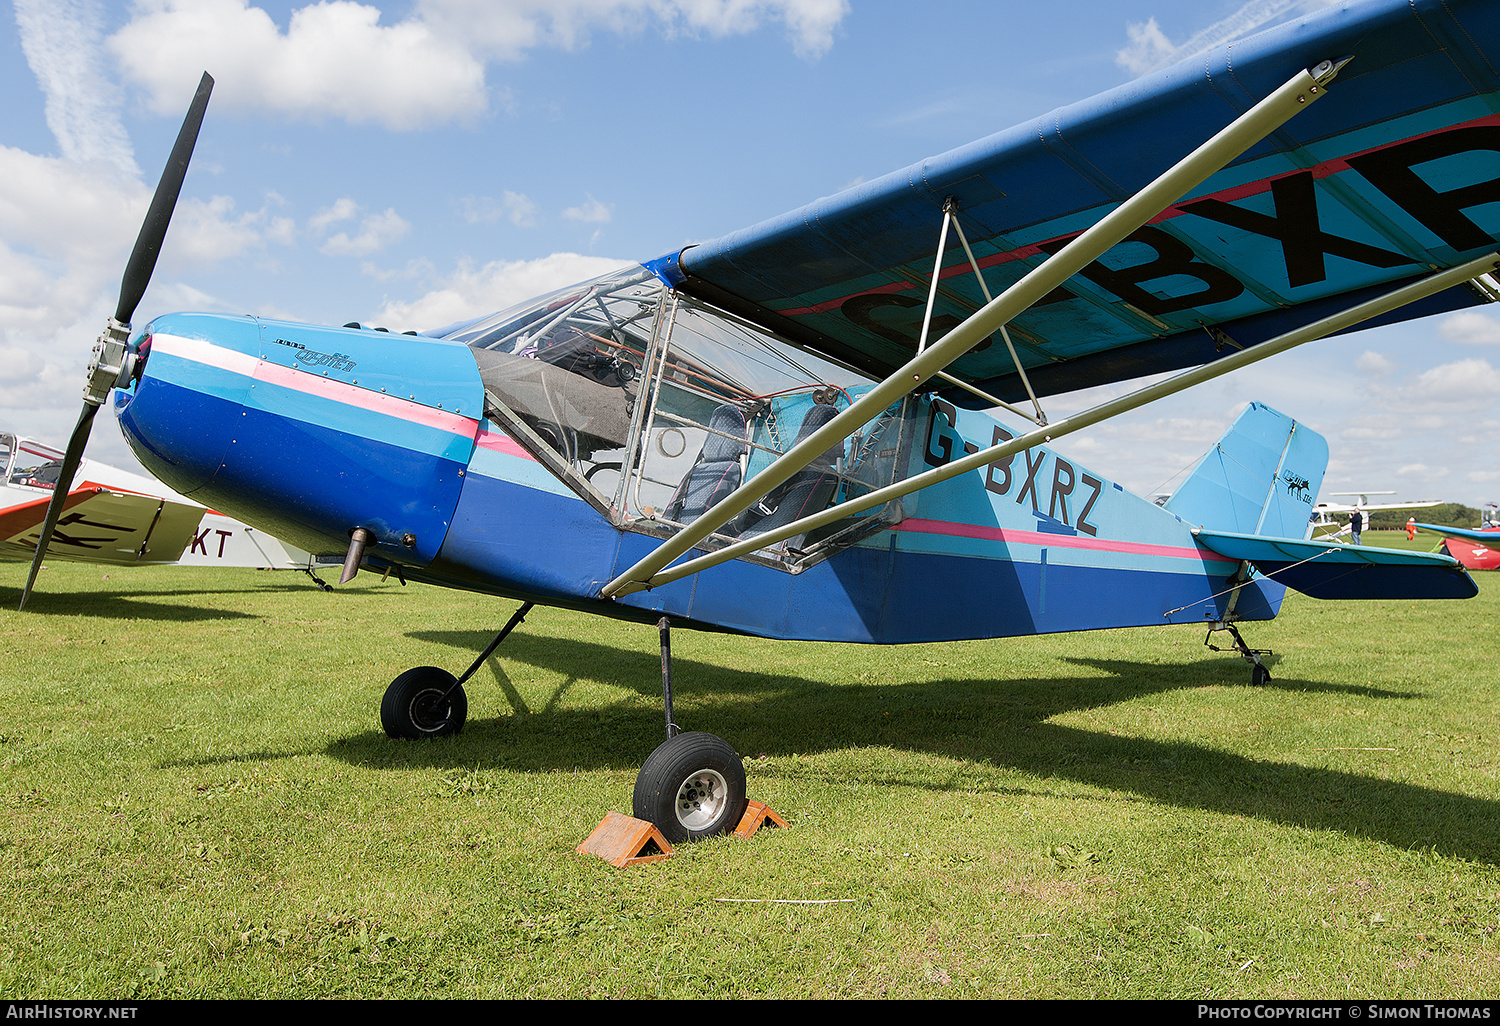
(1260, 674)
(425, 701)
(692, 786)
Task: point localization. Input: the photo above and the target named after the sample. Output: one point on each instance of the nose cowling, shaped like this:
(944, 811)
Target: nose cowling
(306, 432)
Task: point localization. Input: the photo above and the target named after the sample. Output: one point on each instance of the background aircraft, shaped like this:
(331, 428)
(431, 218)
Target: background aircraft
(115, 517)
(799, 408)
(1332, 517)
(1474, 549)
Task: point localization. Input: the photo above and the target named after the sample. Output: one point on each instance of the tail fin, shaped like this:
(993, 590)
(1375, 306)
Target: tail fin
(1261, 478)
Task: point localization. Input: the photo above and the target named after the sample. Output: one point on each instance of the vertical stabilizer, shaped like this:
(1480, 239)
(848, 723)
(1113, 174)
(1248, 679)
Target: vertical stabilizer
(1262, 477)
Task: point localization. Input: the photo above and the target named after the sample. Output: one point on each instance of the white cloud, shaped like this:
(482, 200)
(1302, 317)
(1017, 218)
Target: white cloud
(420, 267)
(1368, 434)
(508, 28)
(335, 58)
(343, 209)
(1462, 382)
(472, 293)
(520, 210)
(1375, 364)
(378, 231)
(208, 232)
(590, 212)
(1470, 328)
(66, 230)
(1150, 50)
(61, 41)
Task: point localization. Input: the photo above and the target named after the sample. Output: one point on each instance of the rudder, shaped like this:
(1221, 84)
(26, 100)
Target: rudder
(1262, 477)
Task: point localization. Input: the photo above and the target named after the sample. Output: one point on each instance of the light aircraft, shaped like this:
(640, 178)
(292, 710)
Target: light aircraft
(1477, 550)
(1324, 513)
(114, 517)
(786, 431)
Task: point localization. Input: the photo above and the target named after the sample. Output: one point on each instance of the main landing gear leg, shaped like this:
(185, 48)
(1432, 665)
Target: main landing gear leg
(693, 785)
(428, 701)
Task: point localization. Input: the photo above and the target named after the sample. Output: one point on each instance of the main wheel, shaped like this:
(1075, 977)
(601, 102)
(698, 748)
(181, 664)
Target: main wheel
(1259, 675)
(692, 786)
(414, 705)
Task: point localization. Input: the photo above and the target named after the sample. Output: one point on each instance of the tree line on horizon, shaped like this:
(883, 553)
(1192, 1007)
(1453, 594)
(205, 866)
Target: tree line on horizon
(1449, 514)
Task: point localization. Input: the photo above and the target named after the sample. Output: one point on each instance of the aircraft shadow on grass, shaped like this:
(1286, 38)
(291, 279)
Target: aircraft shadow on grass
(121, 604)
(124, 603)
(1001, 723)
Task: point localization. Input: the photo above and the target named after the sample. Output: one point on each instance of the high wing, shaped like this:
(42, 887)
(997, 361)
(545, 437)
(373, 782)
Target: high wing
(1386, 180)
(1339, 507)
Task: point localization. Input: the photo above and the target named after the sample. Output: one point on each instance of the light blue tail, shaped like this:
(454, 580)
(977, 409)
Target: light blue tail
(1261, 478)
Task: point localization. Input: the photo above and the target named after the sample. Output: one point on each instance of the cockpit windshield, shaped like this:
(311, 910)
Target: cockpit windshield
(30, 463)
(655, 406)
(568, 364)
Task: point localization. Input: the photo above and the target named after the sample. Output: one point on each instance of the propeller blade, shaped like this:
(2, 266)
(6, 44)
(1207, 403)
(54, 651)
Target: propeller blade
(111, 358)
(71, 458)
(154, 229)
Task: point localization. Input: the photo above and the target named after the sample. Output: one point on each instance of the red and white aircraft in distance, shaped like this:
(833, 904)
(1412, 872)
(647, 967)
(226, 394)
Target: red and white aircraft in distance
(118, 518)
(1477, 550)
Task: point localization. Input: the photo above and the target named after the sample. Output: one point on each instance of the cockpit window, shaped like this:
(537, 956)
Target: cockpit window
(727, 398)
(654, 407)
(568, 366)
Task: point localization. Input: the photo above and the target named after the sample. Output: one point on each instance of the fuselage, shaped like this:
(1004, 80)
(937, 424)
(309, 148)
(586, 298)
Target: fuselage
(539, 461)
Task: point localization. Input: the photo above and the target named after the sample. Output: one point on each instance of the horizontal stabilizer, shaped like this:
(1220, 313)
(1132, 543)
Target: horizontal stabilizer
(1328, 570)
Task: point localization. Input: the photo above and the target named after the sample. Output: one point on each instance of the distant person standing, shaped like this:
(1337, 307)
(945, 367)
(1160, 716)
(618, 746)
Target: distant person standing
(1411, 528)
(1357, 525)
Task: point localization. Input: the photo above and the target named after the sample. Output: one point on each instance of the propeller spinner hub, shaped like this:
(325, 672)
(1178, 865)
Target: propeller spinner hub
(111, 363)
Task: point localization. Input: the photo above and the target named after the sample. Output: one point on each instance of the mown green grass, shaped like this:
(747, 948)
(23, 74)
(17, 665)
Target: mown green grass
(199, 802)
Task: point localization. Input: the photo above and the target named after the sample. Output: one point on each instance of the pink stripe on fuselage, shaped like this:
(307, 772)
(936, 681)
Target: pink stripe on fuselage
(314, 384)
(499, 441)
(1065, 541)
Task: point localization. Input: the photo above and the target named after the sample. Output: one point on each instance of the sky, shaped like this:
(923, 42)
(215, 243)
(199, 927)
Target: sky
(410, 163)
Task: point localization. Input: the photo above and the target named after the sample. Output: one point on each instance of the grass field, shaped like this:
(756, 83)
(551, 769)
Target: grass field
(199, 802)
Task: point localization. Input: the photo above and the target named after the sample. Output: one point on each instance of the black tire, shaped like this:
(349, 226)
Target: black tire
(692, 786)
(1259, 675)
(414, 705)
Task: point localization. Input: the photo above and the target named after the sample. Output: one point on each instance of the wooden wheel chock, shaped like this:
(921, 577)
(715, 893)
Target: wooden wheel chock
(624, 841)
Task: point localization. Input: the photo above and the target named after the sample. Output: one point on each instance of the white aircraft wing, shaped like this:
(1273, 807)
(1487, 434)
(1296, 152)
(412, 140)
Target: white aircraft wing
(100, 525)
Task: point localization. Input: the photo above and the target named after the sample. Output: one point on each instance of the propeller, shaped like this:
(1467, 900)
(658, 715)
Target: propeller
(113, 363)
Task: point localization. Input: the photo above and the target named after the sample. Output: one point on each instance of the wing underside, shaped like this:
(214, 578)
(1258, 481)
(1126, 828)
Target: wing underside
(1394, 175)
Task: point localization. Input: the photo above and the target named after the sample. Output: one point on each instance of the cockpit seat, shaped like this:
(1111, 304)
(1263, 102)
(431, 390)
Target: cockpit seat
(716, 472)
(805, 493)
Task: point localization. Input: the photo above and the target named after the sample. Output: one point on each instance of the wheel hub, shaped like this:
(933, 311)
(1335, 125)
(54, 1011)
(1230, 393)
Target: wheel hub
(429, 712)
(701, 798)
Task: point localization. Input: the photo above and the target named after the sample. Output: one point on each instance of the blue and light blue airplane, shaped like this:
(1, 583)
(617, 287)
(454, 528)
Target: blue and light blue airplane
(830, 426)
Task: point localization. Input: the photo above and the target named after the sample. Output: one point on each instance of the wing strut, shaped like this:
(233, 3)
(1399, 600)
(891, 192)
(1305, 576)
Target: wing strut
(1308, 333)
(1265, 117)
(950, 210)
